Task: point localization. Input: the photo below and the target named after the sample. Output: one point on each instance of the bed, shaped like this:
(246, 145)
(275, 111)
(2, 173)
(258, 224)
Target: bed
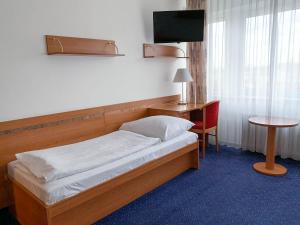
(53, 192)
(87, 197)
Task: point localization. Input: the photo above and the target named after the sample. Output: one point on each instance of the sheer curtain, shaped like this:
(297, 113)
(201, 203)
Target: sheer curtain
(198, 59)
(254, 69)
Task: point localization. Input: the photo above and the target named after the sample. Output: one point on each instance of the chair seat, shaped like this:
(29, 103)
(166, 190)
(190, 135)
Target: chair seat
(198, 125)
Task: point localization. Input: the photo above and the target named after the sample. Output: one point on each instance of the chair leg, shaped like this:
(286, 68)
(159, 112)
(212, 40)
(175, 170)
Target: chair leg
(206, 140)
(217, 142)
(203, 145)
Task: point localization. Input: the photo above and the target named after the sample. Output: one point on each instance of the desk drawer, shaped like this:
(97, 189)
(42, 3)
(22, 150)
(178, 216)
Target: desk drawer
(154, 112)
(185, 115)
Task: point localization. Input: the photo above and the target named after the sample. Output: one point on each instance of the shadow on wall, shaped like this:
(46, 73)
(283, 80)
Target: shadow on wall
(147, 15)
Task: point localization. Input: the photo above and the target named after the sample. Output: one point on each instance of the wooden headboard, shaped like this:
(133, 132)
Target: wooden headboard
(64, 128)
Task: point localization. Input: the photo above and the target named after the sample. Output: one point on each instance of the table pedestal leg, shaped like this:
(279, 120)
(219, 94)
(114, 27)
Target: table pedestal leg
(270, 167)
(270, 158)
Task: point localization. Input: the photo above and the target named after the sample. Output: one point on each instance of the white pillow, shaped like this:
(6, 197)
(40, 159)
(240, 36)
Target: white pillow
(163, 127)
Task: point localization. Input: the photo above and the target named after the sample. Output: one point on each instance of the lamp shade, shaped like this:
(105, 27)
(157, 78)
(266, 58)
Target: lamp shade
(182, 75)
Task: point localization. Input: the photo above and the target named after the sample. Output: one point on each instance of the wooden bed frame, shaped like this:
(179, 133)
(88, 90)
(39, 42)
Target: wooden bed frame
(95, 203)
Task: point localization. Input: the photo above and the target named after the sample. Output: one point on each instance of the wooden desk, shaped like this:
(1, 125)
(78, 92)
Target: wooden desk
(183, 111)
(270, 167)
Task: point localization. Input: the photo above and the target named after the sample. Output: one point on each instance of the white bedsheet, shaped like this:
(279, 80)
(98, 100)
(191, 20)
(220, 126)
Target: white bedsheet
(57, 190)
(62, 161)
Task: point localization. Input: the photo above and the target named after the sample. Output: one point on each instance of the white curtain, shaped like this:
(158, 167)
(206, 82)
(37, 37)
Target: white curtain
(254, 69)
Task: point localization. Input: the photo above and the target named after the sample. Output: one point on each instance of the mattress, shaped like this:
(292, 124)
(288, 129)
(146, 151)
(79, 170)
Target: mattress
(55, 191)
(63, 161)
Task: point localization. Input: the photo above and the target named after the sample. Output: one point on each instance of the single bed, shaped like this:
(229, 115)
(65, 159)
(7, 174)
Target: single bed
(55, 191)
(94, 203)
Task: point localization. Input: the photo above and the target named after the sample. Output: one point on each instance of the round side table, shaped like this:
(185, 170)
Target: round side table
(270, 167)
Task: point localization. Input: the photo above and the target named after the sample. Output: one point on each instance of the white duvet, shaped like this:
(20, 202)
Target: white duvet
(58, 162)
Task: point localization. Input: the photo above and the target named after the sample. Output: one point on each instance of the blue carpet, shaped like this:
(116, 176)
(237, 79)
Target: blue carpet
(225, 191)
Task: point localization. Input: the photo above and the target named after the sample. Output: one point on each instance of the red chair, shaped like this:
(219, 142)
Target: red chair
(207, 124)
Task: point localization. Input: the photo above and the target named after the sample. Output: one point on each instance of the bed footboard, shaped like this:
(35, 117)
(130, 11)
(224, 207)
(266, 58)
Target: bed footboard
(102, 200)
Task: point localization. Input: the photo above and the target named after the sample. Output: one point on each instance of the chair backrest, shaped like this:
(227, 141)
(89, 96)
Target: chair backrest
(211, 110)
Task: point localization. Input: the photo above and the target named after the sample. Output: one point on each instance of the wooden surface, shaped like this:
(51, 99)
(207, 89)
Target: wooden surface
(177, 108)
(65, 128)
(182, 111)
(27, 204)
(91, 205)
(273, 121)
(278, 170)
(269, 167)
(271, 142)
(80, 46)
(154, 50)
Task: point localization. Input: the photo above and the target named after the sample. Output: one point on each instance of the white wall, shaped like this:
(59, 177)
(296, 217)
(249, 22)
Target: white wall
(33, 83)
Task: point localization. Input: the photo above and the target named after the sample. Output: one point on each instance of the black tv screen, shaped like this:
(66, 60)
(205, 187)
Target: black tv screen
(178, 26)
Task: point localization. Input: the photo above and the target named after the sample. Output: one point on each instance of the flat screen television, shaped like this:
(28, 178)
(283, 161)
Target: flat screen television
(178, 26)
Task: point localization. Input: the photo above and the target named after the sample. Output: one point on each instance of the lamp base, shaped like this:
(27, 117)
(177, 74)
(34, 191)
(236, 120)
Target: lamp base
(182, 103)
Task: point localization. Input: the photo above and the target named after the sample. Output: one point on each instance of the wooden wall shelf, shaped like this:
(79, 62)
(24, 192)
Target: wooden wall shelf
(81, 46)
(153, 51)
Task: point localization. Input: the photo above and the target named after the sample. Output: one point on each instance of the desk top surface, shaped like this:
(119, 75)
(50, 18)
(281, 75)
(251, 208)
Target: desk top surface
(177, 108)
